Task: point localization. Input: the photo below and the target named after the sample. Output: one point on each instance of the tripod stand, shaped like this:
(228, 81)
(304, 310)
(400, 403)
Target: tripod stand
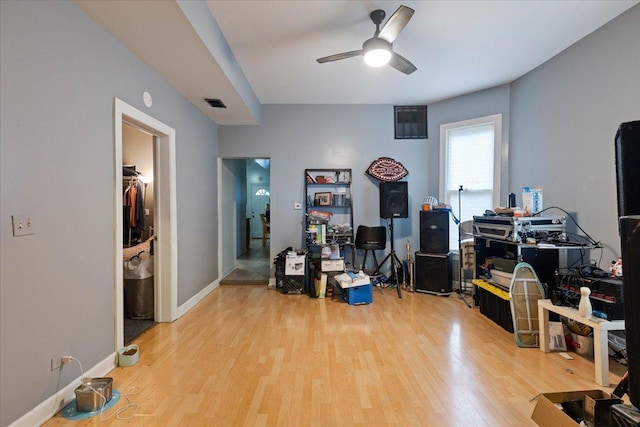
(395, 261)
(457, 221)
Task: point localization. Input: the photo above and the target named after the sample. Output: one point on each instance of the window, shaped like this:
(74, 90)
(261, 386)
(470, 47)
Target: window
(470, 160)
(262, 192)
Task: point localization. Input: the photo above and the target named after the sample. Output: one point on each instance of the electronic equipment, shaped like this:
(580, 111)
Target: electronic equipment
(519, 229)
(434, 231)
(607, 294)
(433, 273)
(394, 199)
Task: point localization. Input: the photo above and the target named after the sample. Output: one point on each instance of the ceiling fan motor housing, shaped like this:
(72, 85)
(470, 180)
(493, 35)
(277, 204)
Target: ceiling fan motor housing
(377, 16)
(377, 51)
(376, 43)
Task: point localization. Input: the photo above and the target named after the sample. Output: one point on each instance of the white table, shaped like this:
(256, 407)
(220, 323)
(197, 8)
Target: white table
(601, 328)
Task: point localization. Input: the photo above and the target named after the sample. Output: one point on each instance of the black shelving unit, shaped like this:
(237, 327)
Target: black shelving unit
(328, 191)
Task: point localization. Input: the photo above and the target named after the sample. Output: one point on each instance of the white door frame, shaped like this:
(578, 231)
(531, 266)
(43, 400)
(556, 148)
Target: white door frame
(165, 224)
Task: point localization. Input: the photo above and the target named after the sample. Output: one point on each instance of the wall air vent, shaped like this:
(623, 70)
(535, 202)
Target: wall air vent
(215, 103)
(411, 122)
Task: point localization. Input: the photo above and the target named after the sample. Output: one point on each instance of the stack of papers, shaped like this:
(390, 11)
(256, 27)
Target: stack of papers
(351, 279)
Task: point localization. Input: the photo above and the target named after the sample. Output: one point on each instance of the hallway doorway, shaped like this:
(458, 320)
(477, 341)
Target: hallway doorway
(251, 195)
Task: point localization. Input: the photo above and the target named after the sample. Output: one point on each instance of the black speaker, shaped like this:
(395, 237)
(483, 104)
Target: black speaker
(394, 199)
(627, 170)
(433, 273)
(434, 231)
(630, 243)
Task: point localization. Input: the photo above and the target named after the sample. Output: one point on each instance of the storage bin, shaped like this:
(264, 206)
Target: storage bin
(580, 344)
(356, 295)
(495, 308)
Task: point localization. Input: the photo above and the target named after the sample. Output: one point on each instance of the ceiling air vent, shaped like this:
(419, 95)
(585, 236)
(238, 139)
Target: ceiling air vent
(215, 103)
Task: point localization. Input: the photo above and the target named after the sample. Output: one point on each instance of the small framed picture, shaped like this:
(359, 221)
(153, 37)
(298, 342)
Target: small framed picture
(322, 199)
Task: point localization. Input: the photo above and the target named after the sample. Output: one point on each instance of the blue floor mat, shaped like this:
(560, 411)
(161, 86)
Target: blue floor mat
(71, 413)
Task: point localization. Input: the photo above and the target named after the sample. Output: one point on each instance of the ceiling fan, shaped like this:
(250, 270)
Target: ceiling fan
(378, 50)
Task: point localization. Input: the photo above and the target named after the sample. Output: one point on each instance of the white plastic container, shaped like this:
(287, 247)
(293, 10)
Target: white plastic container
(129, 355)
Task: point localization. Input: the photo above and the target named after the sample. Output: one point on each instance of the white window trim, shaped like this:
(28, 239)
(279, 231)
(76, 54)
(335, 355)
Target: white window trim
(496, 120)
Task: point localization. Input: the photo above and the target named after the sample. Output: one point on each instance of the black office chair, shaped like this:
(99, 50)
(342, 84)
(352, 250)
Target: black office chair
(371, 239)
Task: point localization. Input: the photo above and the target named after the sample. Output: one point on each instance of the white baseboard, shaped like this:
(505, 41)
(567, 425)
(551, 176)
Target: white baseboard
(184, 308)
(47, 409)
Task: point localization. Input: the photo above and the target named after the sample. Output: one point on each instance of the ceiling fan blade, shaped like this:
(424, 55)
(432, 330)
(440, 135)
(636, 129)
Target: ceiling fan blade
(396, 23)
(338, 56)
(401, 63)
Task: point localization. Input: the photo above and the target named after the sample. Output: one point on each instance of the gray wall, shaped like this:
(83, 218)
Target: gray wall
(296, 137)
(564, 116)
(60, 73)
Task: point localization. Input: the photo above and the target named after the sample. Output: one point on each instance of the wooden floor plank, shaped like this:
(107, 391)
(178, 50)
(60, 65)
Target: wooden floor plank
(247, 355)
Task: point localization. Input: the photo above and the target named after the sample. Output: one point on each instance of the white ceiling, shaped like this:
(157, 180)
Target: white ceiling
(271, 46)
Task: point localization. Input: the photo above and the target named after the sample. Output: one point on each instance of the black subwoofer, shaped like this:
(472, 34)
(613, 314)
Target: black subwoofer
(433, 273)
(627, 170)
(630, 244)
(434, 231)
(394, 199)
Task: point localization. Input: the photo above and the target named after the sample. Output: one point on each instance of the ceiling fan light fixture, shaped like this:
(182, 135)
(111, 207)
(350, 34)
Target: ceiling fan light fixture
(377, 52)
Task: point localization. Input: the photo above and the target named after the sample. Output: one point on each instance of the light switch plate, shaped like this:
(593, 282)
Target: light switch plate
(297, 206)
(22, 225)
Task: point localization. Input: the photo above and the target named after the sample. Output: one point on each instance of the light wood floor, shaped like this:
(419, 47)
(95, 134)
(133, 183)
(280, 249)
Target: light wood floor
(249, 356)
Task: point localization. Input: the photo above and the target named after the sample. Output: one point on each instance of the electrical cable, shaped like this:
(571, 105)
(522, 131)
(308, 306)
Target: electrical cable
(85, 383)
(131, 390)
(592, 241)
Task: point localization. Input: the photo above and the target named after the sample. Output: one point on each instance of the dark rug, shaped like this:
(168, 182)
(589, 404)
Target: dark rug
(134, 328)
(240, 276)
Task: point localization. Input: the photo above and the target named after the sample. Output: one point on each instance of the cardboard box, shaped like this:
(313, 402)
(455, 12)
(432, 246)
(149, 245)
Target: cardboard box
(502, 278)
(294, 264)
(332, 264)
(548, 412)
(504, 265)
(350, 279)
(596, 411)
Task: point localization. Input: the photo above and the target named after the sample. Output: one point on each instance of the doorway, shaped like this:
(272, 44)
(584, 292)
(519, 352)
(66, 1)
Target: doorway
(138, 148)
(250, 193)
(165, 235)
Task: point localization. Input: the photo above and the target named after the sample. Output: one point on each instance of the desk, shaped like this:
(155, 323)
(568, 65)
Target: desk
(601, 330)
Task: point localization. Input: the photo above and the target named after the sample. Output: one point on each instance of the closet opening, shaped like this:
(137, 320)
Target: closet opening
(138, 153)
(153, 176)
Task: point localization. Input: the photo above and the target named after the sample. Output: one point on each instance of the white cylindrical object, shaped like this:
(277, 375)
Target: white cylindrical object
(584, 308)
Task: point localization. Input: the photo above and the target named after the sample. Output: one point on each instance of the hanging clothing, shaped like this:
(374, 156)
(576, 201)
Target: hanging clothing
(133, 211)
(139, 211)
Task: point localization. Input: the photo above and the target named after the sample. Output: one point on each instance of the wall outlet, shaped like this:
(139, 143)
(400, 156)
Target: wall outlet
(22, 225)
(56, 362)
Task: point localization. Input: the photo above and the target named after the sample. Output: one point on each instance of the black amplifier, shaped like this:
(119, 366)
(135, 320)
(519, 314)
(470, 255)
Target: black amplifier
(606, 293)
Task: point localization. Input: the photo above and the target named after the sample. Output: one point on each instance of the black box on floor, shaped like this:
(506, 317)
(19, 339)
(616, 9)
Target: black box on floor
(495, 308)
